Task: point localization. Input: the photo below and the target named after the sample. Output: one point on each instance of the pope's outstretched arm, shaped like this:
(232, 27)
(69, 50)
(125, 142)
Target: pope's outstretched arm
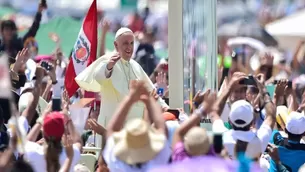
(92, 77)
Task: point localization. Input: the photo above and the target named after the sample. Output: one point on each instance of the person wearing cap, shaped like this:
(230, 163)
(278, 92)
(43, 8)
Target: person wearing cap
(51, 156)
(138, 146)
(111, 75)
(241, 117)
(190, 140)
(292, 152)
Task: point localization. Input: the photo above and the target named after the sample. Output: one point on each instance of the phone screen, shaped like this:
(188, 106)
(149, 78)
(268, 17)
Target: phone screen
(56, 104)
(176, 112)
(160, 92)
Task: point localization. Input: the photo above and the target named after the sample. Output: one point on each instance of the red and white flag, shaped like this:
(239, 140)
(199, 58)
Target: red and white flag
(84, 52)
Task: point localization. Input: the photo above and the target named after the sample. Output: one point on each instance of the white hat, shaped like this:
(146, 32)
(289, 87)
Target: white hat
(296, 123)
(121, 31)
(196, 141)
(138, 142)
(241, 110)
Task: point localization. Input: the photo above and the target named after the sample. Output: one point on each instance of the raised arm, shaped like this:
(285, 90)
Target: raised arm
(105, 70)
(35, 26)
(119, 117)
(195, 118)
(105, 29)
(295, 62)
(29, 112)
(221, 101)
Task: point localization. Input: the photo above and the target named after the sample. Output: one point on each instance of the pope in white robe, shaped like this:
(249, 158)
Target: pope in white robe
(111, 74)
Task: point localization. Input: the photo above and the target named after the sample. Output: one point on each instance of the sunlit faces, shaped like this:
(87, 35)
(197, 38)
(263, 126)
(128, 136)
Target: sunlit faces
(124, 45)
(238, 94)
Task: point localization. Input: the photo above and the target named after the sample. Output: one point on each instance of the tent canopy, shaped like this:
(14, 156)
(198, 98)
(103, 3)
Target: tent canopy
(289, 30)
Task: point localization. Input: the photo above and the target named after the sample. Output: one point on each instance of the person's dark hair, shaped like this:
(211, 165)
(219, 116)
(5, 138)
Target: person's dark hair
(53, 149)
(10, 24)
(21, 165)
(294, 136)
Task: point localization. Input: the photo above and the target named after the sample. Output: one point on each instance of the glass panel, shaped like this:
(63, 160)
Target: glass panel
(197, 16)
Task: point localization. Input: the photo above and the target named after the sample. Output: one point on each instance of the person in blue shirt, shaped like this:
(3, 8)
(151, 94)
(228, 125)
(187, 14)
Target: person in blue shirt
(291, 152)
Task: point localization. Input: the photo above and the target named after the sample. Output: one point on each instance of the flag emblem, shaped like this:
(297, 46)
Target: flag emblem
(82, 50)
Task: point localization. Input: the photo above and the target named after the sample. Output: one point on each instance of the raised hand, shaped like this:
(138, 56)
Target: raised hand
(40, 73)
(97, 128)
(267, 59)
(68, 144)
(236, 78)
(106, 26)
(138, 91)
(280, 88)
(260, 81)
(201, 96)
(209, 100)
(161, 81)
(54, 37)
(21, 59)
(113, 60)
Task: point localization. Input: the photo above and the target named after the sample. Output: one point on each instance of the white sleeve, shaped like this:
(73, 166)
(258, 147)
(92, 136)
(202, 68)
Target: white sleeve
(102, 73)
(107, 152)
(264, 134)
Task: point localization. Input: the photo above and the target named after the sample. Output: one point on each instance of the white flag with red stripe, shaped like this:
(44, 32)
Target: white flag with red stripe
(85, 48)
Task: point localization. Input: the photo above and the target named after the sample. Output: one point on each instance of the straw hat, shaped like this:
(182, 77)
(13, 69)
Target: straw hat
(138, 142)
(196, 141)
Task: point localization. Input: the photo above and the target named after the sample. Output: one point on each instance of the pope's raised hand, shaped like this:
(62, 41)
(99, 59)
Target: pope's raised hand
(115, 58)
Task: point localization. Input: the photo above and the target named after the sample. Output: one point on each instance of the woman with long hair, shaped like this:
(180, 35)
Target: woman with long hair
(51, 156)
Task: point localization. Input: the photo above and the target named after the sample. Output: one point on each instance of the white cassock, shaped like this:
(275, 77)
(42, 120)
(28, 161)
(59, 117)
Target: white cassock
(115, 88)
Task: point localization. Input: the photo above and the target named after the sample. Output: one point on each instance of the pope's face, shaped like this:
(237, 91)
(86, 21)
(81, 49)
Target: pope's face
(124, 45)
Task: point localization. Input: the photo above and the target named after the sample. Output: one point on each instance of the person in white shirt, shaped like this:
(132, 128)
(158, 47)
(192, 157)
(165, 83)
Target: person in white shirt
(241, 118)
(138, 146)
(51, 156)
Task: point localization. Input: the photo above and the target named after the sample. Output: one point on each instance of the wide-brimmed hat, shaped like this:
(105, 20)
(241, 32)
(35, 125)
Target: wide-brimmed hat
(196, 141)
(138, 142)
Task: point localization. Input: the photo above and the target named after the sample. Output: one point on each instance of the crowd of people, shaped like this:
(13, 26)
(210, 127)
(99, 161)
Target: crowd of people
(130, 126)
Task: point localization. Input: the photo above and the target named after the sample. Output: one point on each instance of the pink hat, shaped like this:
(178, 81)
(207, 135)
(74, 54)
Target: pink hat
(40, 58)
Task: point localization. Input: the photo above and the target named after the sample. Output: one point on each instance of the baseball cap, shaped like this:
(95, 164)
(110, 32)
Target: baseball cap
(296, 123)
(53, 125)
(241, 110)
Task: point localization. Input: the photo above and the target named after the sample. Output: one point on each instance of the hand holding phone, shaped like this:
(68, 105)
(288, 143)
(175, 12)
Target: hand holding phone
(289, 83)
(248, 81)
(46, 65)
